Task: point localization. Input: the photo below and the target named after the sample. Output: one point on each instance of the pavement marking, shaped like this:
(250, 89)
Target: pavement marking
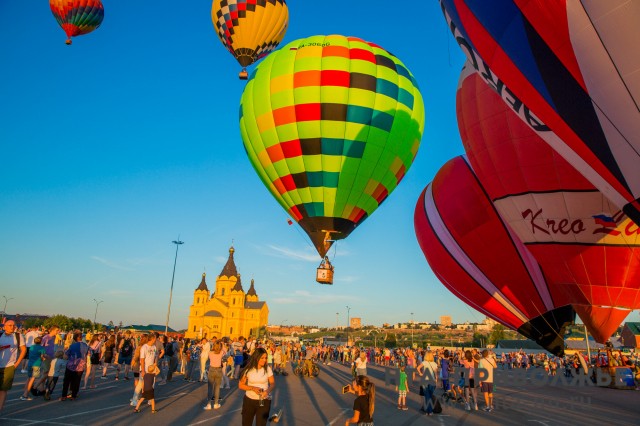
(33, 422)
(344, 410)
(213, 418)
(539, 421)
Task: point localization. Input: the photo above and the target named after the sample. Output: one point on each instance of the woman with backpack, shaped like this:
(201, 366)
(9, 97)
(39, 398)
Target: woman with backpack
(125, 350)
(109, 352)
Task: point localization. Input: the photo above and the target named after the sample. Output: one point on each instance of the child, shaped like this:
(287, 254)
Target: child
(147, 390)
(459, 389)
(57, 369)
(402, 388)
(36, 356)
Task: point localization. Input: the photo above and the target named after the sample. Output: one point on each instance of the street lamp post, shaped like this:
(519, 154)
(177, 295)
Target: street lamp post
(95, 315)
(348, 319)
(411, 330)
(4, 311)
(175, 260)
(337, 321)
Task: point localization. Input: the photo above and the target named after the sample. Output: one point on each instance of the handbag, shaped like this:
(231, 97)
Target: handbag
(95, 357)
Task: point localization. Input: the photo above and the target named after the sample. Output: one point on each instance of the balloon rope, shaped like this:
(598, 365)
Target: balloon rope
(549, 324)
(304, 237)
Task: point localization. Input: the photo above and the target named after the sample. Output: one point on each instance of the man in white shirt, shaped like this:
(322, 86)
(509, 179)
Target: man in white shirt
(148, 354)
(12, 352)
(488, 363)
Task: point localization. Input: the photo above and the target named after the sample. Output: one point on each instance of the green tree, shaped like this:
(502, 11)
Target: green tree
(478, 340)
(33, 322)
(498, 333)
(390, 341)
(62, 321)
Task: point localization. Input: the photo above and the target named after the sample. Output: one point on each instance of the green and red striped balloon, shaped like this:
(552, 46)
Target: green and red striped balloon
(77, 17)
(331, 124)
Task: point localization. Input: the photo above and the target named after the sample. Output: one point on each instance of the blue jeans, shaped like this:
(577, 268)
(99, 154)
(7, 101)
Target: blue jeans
(428, 397)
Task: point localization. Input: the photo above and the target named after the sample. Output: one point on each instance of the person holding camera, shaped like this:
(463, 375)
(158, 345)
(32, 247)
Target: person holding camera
(364, 404)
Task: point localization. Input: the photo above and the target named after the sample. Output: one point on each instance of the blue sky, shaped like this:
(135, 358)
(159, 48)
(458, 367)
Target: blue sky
(113, 147)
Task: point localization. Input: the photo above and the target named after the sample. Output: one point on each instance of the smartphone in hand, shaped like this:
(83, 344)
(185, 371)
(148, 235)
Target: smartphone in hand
(345, 389)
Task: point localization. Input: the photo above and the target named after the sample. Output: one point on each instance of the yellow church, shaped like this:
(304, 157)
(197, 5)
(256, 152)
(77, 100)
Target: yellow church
(228, 311)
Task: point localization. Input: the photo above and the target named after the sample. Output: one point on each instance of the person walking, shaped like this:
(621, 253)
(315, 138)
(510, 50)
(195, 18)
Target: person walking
(257, 381)
(109, 352)
(361, 364)
(126, 347)
(488, 363)
(36, 355)
(364, 404)
(470, 390)
(429, 368)
(12, 352)
(148, 392)
(204, 358)
(76, 363)
(214, 379)
(94, 355)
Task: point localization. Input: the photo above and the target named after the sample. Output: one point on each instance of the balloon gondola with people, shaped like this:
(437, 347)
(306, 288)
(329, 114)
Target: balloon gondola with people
(331, 125)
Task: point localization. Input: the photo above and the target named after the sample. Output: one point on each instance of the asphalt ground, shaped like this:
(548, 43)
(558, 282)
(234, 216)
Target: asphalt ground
(319, 401)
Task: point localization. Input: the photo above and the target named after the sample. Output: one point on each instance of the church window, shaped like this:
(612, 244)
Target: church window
(230, 330)
(198, 300)
(231, 314)
(233, 302)
(222, 292)
(194, 328)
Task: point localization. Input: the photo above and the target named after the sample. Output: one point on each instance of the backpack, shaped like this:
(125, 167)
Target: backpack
(127, 348)
(168, 349)
(16, 338)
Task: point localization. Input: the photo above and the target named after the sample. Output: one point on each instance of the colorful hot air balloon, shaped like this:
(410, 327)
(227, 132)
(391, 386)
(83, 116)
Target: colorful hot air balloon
(585, 245)
(331, 124)
(77, 17)
(573, 65)
(475, 255)
(250, 29)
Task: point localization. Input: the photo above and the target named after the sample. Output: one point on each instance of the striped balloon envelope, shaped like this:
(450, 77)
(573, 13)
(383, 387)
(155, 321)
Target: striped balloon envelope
(481, 261)
(574, 65)
(250, 29)
(331, 125)
(585, 245)
(77, 17)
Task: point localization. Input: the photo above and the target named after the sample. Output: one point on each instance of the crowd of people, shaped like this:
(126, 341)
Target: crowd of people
(149, 360)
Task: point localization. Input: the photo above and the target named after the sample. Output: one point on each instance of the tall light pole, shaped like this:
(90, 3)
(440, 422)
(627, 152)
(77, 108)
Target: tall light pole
(337, 320)
(4, 311)
(411, 330)
(95, 315)
(177, 243)
(348, 319)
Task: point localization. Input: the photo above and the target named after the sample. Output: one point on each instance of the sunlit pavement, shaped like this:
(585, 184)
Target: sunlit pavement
(319, 401)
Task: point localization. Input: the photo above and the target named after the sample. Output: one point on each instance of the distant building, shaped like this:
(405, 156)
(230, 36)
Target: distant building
(228, 311)
(445, 320)
(631, 334)
(355, 323)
